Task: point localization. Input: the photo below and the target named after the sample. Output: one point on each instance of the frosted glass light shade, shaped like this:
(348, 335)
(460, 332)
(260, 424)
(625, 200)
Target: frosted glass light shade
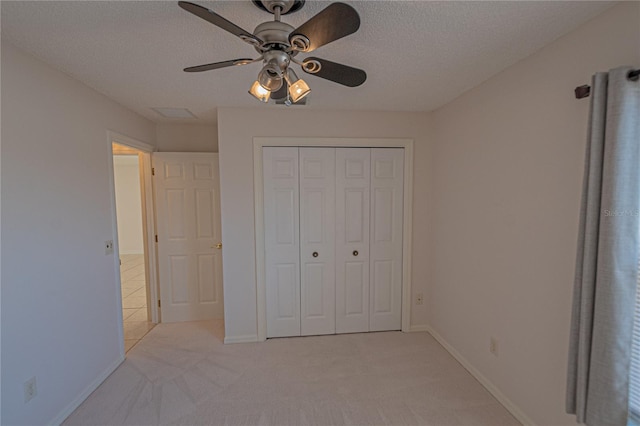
(299, 90)
(259, 92)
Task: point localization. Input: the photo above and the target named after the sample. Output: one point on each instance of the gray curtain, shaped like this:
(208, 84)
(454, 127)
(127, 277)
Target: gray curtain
(607, 259)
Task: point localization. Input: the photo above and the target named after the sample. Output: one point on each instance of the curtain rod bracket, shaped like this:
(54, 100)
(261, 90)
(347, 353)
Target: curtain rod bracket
(582, 91)
(585, 90)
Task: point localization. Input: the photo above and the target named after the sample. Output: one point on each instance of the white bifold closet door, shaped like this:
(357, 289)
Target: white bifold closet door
(353, 179)
(385, 259)
(282, 241)
(333, 239)
(317, 240)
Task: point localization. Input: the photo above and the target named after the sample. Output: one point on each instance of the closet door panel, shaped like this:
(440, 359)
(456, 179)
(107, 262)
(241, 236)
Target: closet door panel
(352, 239)
(387, 176)
(317, 240)
(282, 246)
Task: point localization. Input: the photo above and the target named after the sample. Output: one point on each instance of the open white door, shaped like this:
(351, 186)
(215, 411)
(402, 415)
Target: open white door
(187, 193)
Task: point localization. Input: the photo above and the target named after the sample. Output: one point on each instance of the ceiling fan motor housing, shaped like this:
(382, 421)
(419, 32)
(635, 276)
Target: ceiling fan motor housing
(274, 34)
(286, 6)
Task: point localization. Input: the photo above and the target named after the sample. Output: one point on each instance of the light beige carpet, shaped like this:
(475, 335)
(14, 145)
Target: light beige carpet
(183, 374)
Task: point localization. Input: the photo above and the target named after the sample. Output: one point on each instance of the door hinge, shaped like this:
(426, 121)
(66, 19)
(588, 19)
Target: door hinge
(153, 171)
(159, 304)
(156, 238)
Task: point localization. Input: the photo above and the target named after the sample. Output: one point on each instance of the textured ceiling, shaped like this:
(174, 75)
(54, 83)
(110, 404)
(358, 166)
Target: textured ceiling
(418, 55)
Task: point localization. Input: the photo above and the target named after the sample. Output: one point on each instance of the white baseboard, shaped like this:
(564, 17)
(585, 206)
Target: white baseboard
(506, 402)
(61, 417)
(415, 328)
(241, 339)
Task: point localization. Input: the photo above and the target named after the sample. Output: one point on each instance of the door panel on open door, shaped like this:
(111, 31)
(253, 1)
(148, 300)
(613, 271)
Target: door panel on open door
(187, 198)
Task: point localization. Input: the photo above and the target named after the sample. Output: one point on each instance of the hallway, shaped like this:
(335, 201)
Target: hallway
(134, 300)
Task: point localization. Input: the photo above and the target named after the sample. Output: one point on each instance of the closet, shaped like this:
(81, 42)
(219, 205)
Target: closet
(333, 239)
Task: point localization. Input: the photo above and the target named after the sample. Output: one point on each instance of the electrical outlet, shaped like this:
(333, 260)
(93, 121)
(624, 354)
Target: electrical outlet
(493, 346)
(30, 389)
(419, 299)
(108, 247)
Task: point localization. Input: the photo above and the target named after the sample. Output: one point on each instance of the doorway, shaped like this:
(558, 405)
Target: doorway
(134, 268)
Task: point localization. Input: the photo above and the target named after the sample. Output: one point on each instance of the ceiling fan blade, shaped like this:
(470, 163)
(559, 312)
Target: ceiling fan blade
(338, 73)
(216, 65)
(215, 19)
(334, 22)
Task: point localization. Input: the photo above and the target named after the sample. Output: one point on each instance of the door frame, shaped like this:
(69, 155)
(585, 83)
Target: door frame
(148, 218)
(407, 224)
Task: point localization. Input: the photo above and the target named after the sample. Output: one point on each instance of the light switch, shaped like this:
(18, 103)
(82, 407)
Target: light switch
(108, 247)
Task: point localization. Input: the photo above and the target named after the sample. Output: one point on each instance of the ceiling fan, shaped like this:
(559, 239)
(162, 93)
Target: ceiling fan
(279, 43)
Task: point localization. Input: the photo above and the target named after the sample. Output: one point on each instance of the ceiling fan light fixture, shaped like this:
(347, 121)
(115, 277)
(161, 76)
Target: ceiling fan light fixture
(259, 92)
(278, 43)
(298, 88)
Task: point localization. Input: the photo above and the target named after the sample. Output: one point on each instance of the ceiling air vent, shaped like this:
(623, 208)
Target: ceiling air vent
(174, 112)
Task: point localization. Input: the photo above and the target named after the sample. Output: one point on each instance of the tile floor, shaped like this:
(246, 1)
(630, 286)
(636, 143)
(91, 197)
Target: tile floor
(134, 299)
(183, 374)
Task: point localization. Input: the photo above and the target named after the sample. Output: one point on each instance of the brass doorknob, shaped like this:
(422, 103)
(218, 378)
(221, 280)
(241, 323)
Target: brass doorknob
(218, 246)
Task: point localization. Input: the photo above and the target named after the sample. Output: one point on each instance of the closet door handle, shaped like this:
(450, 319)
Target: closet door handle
(315, 254)
(355, 252)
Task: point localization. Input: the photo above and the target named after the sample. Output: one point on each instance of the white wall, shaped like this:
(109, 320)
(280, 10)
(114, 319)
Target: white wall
(128, 203)
(237, 127)
(59, 294)
(507, 173)
(172, 137)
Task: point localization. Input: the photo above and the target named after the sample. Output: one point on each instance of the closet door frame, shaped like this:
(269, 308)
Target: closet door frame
(407, 224)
